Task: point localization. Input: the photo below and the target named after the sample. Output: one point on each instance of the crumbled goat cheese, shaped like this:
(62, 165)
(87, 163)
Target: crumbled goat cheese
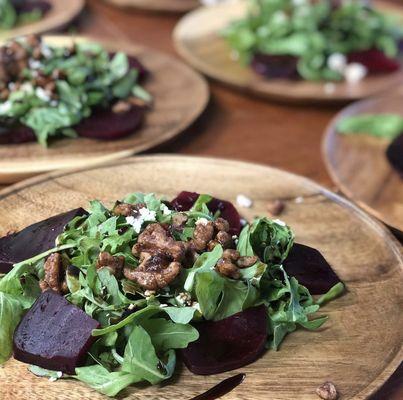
(149, 293)
(165, 210)
(244, 201)
(299, 200)
(46, 51)
(355, 72)
(11, 86)
(337, 62)
(131, 306)
(27, 88)
(42, 94)
(279, 222)
(196, 305)
(145, 215)
(202, 221)
(184, 298)
(163, 305)
(5, 107)
(329, 88)
(34, 64)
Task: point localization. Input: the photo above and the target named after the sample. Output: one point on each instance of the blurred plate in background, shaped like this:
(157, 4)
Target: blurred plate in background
(158, 5)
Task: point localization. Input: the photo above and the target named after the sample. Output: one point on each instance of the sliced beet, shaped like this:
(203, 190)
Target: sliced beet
(16, 134)
(104, 124)
(34, 239)
(185, 200)
(228, 344)
(394, 153)
(275, 66)
(310, 268)
(54, 334)
(375, 60)
(32, 5)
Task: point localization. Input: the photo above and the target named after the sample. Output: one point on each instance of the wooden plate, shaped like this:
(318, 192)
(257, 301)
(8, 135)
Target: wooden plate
(359, 167)
(176, 6)
(180, 96)
(357, 350)
(58, 17)
(197, 39)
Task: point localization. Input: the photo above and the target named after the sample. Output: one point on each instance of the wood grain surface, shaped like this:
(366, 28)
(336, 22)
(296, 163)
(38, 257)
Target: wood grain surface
(358, 163)
(198, 40)
(179, 97)
(358, 348)
(58, 17)
(175, 6)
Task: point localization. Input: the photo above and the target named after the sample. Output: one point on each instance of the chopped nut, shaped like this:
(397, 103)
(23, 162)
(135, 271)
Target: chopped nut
(202, 234)
(54, 274)
(127, 209)
(275, 207)
(211, 244)
(246, 261)
(225, 239)
(327, 391)
(227, 268)
(221, 224)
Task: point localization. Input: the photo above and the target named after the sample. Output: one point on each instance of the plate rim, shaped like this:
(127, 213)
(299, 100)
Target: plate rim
(393, 243)
(328, 132)
(131, 4)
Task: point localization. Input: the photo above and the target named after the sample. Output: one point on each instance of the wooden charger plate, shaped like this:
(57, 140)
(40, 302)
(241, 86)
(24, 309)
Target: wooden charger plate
(197, 39)
(359, 167)
(180, 95)
(360, 345)
(177, 6)
(59, 16)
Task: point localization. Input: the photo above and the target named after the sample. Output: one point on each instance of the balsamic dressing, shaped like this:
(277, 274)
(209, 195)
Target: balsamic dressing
(222, 388)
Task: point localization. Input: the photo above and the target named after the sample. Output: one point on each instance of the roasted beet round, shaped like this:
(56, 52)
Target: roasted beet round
(375, 61)
(228, 344)
(16, 134)
(275, 66)
(185, 200)
(394, 153)
(34, 239)
(310, 268)
(54, 334)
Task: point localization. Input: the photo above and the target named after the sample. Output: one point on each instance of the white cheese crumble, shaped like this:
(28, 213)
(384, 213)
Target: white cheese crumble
(145, 215)
(202, 221)
(27, 88)
(34, 64)
(42, 94)
(5, 107)
(279, 222)
(337, 62)
(355, 72)
(244, 201)
(299, 200)
(196, 305)
(184, 298)
(165, 210)
(149, 293)
(46, 51)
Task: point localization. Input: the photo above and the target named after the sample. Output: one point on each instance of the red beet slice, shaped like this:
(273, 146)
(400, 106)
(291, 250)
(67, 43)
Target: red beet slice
(310, 268)
(16, 134)
(394, 153)
(54, 334)
(375, 60)
(32, 5)
(104, 124)
(275, 66)
(34, 239)
(185, 200)
(228, 344)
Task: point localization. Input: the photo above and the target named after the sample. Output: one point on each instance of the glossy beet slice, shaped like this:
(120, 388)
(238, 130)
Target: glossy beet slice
(310, 268)
(104, 124)
(28, 6)
(16, 134)
(228, 344)
(275, 66)
(375, 60)
(34, 239)
(394, 153)
(185, 200)
(54, 334)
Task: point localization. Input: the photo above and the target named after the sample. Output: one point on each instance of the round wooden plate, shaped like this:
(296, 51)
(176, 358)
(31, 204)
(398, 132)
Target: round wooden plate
(197, 39)
(180, 95)
(59, 16)
(176, 6)
(359, 167)
(359, 347)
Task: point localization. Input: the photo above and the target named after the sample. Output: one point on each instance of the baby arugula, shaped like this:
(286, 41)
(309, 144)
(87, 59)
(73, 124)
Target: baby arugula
(141, 331)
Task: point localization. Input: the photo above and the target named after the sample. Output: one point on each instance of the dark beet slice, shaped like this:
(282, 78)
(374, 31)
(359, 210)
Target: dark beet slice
(32, 5)
(394, 153)
(275, 66)
(310, 268)
(54, 334)
(228, 344)
(104, 124)
(16, 134)
(185, 200)
(34, 239)
(375, 60)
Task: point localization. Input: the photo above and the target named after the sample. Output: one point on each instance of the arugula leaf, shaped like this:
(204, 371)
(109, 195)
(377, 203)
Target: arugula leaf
(38, 371)
(333, 292)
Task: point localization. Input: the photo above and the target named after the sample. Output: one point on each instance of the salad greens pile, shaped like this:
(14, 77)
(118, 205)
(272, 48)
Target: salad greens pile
(387, 126)
(312, 31)
(141, 329)
(9, 17)
(60, 86)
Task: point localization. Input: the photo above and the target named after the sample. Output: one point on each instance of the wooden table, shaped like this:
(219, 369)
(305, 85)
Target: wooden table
(234, 125)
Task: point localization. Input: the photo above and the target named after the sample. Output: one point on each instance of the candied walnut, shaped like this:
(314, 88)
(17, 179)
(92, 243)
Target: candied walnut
(225, 239)
(327, 391)
(156, 239)
(211, 244)
(156, 271)
(179, 220)
(231, 254)
(33, 40)
(246, 261)
(221, 224)
(127, 209)
(203, 233)
(227, 268)
(115, 264)
(54, 274)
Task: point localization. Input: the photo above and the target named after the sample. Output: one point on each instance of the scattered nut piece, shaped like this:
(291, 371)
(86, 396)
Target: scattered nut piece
(327, 391)
(275, 207)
